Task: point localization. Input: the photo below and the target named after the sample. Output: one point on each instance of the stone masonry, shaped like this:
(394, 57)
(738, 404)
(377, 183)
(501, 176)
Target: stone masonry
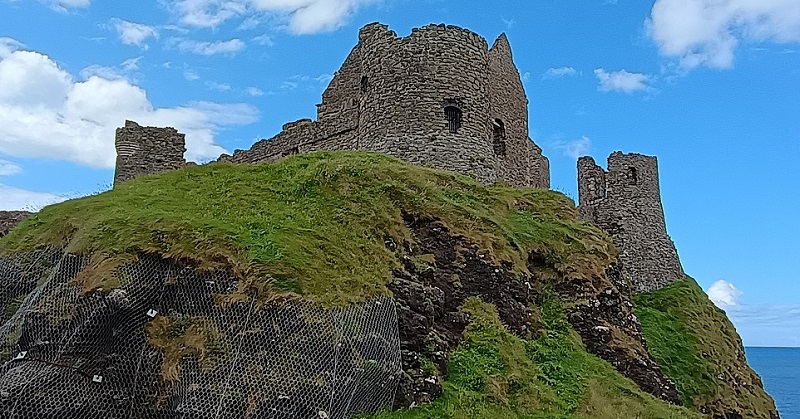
(625, 201)
(10, 219)
(439, 97)
(147, 150)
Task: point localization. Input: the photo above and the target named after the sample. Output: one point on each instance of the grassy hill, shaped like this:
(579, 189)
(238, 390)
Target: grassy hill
(337, 228)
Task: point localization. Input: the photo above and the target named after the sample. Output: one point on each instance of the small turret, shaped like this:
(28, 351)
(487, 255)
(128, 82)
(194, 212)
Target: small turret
(625, 201)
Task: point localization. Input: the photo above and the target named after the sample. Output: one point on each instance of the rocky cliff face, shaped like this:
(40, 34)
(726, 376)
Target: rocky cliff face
(10, 219)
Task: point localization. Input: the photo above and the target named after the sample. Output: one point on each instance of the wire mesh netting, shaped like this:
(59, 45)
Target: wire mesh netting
(159, 342)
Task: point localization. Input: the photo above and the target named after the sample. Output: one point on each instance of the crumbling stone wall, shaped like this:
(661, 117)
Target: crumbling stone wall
(390, 96)
(10, 219)
(147, 150)
(519, 160)
(625, 201)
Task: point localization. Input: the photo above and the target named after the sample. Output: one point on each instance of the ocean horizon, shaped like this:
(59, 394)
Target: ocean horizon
(779, 369)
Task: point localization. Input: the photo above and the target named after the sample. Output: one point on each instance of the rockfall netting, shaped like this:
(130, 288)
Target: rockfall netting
(159, 342)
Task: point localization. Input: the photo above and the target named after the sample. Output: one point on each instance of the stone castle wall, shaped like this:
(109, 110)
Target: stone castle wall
(625, 201)
(147, 150)
(391, 95)
(10, 219)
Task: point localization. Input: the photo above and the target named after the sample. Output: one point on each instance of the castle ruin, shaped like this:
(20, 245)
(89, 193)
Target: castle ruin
(441, 97)
(625, 201)
(147, 150)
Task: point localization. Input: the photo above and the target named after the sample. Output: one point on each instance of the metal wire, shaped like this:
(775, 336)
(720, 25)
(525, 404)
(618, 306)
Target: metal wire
(68, 352)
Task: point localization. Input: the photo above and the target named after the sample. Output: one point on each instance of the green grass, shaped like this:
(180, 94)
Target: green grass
(312, 224)
(664, 316)
(694, 342)
(495, 374)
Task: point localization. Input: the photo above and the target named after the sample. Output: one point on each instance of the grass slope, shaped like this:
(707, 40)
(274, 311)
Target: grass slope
(495, 374)
(313, 224)
(699, 349)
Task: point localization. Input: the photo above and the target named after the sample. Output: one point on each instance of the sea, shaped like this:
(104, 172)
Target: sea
(779, 369)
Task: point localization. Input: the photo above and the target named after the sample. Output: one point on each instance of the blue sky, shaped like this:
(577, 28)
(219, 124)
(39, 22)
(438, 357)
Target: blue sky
(712, 87)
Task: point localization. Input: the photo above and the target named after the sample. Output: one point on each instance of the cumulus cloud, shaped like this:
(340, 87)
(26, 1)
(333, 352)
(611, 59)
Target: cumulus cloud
(621, 81)
(300, 16)
(45, 113)
(724, 294)
(559, 72)
(575, 148)
(8, 168)
(21, 199)
(131, 33)
(707, 32)
(211, 48)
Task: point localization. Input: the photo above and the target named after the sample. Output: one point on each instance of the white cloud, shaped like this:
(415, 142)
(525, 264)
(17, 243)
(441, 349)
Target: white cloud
(8, 45)
(220, 87)
(254, 91)
(21, 199)
(724, 294)
(190, 75)
(621, 81)
(123, 72)
(766, 325)
(559, 72)
(211, 48)
(575, 148)
(300, 16)
(45, 113)
(8, 168)
(264, 39)
(131, 33)
(208, 13)
(312, 16)
(707, 32)
(109, 73)
(131, 64)
(66, 4)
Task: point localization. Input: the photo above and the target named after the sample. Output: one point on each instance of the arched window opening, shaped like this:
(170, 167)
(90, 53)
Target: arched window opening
(364, 84)
(633, 177)
(453, 115)
(499, 137)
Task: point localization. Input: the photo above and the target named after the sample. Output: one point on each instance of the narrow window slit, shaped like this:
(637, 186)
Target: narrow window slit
(499, 137)
(453, 116)
(633, 177)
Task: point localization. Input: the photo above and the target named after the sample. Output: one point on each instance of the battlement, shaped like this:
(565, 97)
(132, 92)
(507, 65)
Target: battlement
(625, 201)
(147, 150)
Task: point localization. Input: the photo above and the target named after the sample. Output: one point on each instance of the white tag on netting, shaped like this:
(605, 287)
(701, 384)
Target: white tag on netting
(21, 355)
(151, 313)
(323, 414)
(97, 378)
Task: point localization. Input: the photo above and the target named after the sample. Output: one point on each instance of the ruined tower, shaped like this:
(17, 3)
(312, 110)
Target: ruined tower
(147, 150)
(625, 201)
(439, 97)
